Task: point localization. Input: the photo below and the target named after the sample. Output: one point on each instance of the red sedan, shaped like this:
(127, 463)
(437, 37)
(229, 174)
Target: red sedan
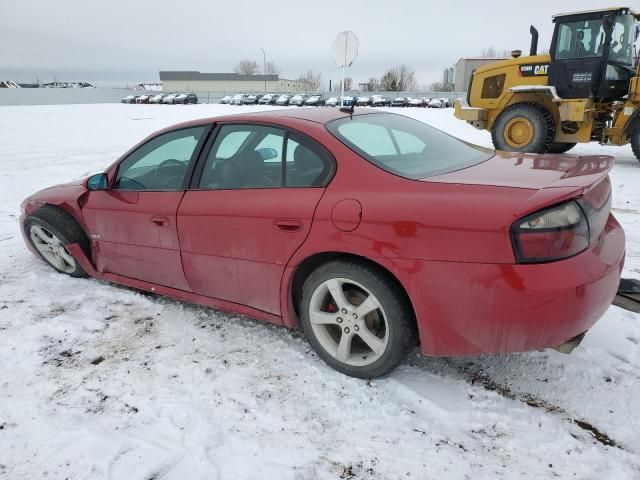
(372, 231)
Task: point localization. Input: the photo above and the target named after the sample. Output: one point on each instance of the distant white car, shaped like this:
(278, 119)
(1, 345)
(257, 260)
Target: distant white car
(157, 98)
(417, 102)
(226, 99)
(436, 103)
(238, 99)
(129, 99)
(169, 99)
(332, 102)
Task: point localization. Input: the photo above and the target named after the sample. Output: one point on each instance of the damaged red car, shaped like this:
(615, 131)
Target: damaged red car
(371, 231)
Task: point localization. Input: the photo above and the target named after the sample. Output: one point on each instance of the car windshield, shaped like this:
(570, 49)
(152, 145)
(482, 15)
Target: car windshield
(406, 147)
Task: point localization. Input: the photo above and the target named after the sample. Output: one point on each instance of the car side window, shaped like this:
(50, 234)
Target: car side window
(244, 156)
(161, 163)
(305, 165)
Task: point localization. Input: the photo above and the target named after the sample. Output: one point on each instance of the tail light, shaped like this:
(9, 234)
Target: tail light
(552, 234)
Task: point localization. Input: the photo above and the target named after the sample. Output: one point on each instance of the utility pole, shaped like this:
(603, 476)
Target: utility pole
(264, 69)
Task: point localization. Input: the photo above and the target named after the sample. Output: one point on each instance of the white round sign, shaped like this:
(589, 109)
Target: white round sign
(345, 49)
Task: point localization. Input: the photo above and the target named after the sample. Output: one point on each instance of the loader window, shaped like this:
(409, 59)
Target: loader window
(582, 39)
(492, 86)
(622, 39)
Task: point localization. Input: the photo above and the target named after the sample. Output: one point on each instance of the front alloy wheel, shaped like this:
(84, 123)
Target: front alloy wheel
(52, 249)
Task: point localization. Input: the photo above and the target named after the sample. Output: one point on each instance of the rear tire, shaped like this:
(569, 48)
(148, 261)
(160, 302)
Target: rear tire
(635, 139)
(524, 127)
(356, 319)
(557, 147)
(48, 229)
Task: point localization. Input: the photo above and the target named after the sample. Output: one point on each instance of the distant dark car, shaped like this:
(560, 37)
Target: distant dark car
(363, 101)
(268, 99)
(186, 98)
(129, 99)
(347, 101)
(315, 101)
(226, 99)
(332, 102)
(252, 99)
(283, 100)
(299, 99)
(380, 101)
(399, 102)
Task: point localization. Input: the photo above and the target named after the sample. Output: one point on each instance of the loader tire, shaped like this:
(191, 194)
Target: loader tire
(557, 147)
(524, 127)
(635, 139)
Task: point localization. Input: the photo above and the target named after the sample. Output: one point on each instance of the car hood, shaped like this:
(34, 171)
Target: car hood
(532, 171)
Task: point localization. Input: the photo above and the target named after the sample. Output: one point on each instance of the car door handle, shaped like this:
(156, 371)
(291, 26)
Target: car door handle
(288, 225)
(160, 221)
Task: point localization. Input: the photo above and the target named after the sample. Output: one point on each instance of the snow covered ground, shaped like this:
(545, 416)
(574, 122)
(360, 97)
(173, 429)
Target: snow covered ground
(103, 382)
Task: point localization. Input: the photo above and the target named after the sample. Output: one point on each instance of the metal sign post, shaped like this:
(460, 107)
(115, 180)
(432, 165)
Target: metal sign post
(344, 53)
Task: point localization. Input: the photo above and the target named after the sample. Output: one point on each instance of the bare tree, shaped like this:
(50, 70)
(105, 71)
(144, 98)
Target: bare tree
(348, 82)
(273, 69)
(373, 85)
(246, 67)
(489, 52)
(398, 79)
(314, 80)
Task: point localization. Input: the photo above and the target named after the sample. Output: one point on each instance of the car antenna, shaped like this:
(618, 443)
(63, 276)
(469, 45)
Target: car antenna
(350, 109)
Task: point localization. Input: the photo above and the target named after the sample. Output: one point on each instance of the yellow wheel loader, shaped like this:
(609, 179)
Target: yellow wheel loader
(587, 89)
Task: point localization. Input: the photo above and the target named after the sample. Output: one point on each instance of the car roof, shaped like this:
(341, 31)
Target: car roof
(318, 115)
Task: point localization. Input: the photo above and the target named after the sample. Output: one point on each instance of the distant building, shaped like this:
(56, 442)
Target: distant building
(227, 82)
(464, 68)
(447, 79)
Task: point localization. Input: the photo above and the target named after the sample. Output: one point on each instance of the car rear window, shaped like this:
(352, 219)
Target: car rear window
(404, 146)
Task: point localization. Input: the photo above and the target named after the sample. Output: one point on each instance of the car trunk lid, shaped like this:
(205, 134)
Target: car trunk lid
(532, 171)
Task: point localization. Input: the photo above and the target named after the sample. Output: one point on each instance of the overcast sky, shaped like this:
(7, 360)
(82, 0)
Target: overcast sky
(129, 41)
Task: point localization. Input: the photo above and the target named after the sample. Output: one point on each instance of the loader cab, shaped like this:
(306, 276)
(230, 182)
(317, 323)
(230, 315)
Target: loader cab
(592, 53)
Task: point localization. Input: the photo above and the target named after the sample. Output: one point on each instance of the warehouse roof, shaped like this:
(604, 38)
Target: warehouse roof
(195, 75)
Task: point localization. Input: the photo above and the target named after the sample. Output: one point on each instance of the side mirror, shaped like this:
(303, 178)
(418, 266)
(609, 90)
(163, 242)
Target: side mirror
(98, 181)
(267, 153)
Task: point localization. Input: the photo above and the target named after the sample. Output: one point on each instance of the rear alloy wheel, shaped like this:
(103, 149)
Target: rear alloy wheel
(557, 147)
(356, 320)
(524, 127)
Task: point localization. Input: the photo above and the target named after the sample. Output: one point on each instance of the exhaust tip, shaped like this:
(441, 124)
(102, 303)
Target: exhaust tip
(568, 346)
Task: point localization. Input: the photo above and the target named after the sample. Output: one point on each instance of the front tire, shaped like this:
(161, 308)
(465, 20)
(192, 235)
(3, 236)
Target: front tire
(48, 230)
(356, 319)
(524, 127)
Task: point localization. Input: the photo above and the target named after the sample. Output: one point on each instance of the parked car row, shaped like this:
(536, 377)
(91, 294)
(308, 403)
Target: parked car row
(164, 98)
(317, 100)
